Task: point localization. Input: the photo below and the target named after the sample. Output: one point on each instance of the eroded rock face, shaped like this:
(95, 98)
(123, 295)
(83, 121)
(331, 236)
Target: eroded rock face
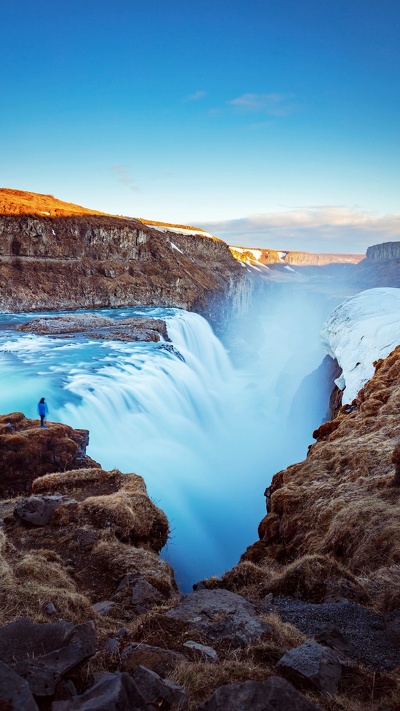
(340, 501)
(104, 529)
(28, 452)
(65, 257)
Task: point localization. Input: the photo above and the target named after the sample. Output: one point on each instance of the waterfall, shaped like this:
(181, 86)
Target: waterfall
(205, 435)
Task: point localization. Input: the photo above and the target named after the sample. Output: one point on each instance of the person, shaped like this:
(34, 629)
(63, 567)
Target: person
(43, 411)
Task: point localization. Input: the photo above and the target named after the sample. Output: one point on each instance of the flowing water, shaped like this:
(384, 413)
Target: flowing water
(206, 435)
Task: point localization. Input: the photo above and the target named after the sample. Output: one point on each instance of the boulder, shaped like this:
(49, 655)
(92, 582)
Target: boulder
(15, 694)
(221, 615)
(42, 653)
(273, 694)
(157, 692)
(110, 692)
(312, 666)
(38, 510)
(159, 660)
(203, 651)
(138, 592)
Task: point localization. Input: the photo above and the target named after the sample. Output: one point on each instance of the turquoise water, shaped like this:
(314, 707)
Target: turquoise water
(206, 436)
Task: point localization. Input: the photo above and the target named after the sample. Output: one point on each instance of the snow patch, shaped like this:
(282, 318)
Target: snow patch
(175, 247)
(363, 329)
(288, 268)
(282, 255)
(179, 230)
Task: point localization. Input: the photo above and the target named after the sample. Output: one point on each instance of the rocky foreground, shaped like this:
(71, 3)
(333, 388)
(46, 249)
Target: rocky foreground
(309, 619)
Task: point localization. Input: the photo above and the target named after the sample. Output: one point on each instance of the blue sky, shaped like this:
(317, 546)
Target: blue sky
(271, 122)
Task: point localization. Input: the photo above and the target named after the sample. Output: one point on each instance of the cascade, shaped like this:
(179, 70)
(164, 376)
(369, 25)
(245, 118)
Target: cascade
(205, 435)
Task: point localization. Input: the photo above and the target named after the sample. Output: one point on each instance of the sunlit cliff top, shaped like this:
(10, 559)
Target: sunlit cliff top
(19, 202)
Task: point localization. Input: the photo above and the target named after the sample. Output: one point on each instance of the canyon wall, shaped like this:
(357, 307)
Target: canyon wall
(302, 259)
(380, 268)
(54, 258)
(384, 251)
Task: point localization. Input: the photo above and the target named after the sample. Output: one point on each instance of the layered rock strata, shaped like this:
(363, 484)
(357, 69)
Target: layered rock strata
(57, 256)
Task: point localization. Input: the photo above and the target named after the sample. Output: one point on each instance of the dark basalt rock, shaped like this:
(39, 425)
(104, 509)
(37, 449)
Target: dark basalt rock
(138, 592)
(42, 653)
(159, 693)
(159, 660)
(221, 615)
(274, 693)
(38, 510)
(312, 666)
(111, 692)
(15, 694)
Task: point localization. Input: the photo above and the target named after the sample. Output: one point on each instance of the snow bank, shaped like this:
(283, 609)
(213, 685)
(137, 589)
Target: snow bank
(179, 230)
(363, 329)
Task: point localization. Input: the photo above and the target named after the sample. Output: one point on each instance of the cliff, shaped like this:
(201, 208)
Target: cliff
(383, 252)
(301, 259)
(57, 256)
(381, 266)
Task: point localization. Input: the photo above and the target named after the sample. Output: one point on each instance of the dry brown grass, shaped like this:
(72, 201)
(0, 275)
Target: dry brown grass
(117, 560)
(28, 582)
(131, 517)
(65, 482)
(201, 679)
(310, 577)
(19, 202)
(384, 585)
(340, 502)
(108, 501)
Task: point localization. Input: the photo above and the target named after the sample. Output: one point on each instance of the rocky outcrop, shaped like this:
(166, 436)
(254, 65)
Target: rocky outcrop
(258, 255)
(67, 258)
(100, 327)
(340, 501)
(79, 556)
(27, 451)
(383, 252)
(380, 268)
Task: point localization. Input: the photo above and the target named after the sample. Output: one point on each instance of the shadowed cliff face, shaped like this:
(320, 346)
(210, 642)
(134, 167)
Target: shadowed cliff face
(381, 266)
(59, 258)
(341, 502)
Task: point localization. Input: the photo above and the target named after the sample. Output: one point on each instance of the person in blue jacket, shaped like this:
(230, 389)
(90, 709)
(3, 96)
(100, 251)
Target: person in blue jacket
(43, 411)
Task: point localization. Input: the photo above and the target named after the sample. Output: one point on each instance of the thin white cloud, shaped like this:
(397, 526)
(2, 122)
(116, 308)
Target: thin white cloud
(270, 104)
(122, 173)
(318, 229)
(196, 96)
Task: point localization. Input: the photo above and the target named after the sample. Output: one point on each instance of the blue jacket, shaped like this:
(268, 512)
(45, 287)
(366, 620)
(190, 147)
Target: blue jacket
(42, 408)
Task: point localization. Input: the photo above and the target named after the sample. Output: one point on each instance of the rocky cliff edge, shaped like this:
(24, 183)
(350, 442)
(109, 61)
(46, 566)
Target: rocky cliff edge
(59, 256)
